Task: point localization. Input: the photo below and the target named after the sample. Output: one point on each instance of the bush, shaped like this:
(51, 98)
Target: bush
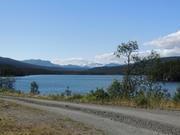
(34, 88)
(67, 92)
(7, 82)
(151, 95)
(56, 97)
(176, 97)
(75, 97)
(141, 99)
(115, 89)
(99, 94)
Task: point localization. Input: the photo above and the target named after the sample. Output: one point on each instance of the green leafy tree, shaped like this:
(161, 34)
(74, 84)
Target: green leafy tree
(34, 88)
(147, 65)
(128, 52)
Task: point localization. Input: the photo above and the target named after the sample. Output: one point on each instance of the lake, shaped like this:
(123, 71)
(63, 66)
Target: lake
(54, 84)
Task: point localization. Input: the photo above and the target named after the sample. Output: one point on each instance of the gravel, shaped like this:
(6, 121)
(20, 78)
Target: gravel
(161, 125)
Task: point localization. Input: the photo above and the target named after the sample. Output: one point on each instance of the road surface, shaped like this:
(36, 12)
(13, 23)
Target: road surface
(112, 120)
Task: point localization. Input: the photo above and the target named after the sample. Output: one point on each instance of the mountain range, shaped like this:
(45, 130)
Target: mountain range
(10, 67)
(46, 63)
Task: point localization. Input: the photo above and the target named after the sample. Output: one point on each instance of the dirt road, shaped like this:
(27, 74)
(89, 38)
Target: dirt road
(112, 120)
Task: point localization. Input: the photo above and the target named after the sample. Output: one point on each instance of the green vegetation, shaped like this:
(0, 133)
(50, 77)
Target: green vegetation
(137, 88)
(7, 83)
(67, 92)
(128, 51)
(17, 119)
(141, 90)
(155, 98)
(11, 70)
(34, 88)
(176, 97)
(115, 90)
(167, 69)
(7, 87)
(99, 94)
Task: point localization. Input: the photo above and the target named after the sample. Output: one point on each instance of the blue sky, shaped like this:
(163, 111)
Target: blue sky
(65, 30)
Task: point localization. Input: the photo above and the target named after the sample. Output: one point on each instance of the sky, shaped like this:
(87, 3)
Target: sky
(86, 31)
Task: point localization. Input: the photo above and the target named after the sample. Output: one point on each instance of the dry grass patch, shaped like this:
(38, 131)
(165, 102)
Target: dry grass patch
(20, 120)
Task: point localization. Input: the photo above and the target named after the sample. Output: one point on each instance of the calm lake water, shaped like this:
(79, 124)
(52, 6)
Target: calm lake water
(53, 84)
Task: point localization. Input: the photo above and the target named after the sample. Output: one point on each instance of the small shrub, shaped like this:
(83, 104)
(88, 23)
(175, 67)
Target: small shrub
(67, 92)
(115, 89)
(141, 99)
(34, 88)
(7, 83)
(99, 94)
(176, 97)
(75, 97)
(150, 94)
(90, 96)
(56, 97)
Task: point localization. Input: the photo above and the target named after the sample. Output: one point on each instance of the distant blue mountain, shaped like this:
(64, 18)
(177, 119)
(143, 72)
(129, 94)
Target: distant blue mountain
(50, 65)
(46, 63)
(112, 65)
(40, 62)
(16, 63)
(9, 67)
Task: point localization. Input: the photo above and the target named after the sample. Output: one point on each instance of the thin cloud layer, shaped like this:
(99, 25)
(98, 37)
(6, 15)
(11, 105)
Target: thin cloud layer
(73, 61)
(98, 60)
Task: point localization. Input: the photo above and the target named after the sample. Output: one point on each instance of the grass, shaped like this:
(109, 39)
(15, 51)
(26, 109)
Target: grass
(163, 104)
(9, 92)
(21, 120)
(77, 98)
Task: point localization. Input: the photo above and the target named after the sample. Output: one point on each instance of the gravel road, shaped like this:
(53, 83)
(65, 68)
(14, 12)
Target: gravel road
(112, 120)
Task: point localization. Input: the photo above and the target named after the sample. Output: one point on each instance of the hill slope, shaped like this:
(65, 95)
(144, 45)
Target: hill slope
(49, 65)
(169, 69)
(40, 62)
(10, 67)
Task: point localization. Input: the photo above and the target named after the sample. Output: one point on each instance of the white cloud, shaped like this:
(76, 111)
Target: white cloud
(169, 52)
(73, 61)
(168, 42)
(168, 45)
(98, 60)
(107, 58)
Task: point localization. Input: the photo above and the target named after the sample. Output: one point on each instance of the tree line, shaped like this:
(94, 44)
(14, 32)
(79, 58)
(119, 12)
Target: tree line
(160, 71)
(139, 83)
(137, 86)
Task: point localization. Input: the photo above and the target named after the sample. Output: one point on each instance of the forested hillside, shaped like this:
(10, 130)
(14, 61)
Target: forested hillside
(168, 69)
